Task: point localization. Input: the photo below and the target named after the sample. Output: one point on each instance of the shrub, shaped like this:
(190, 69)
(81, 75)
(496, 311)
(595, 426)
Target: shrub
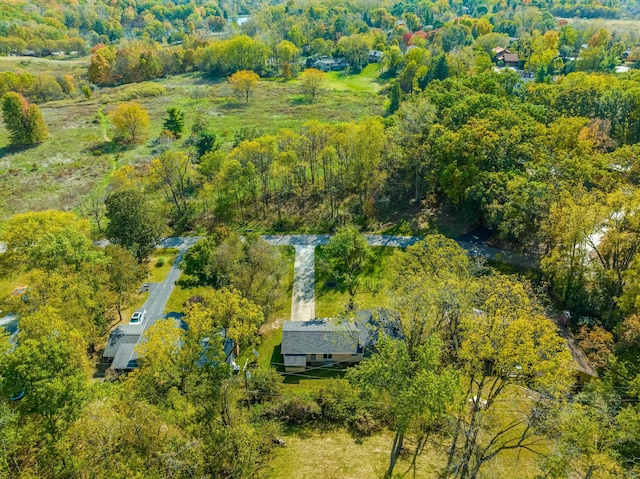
(338, 402)
(264, 385)
(161, 262)
(362, 423)
(138, 90)
(295, 411)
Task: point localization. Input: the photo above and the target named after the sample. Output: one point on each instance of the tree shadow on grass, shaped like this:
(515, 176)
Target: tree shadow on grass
(109, 148)
(300, 100)
(232, 104)
(15, 149)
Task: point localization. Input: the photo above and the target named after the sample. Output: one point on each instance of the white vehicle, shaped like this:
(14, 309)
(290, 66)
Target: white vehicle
(138, 317)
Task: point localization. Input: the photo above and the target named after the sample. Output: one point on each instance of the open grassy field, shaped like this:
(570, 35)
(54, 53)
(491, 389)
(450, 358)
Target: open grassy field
(336, 454)
(44, 65)
(618, 25)
(76, 159)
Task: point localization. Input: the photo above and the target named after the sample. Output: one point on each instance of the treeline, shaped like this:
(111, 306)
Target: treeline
(415, 55)
(40, 87)
(586, 11)
(504, 154)
(45, 27)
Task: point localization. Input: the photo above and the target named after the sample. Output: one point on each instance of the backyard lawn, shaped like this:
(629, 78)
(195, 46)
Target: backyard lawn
(336, 454)
(368, 80)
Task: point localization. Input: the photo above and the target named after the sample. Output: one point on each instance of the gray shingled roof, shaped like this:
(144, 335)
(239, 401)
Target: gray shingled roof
(322, 336)
(125, 334)
(124, 358)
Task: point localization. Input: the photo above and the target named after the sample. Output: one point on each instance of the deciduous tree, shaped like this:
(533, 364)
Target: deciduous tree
(418, 390)
(235, 315)
(47, 240)
(125, 275)
(99, 70)
(49, 372)
(131, 122)
(174, 172)
(506, 341)
(312, 80)
(243, 83)
(348, 254)
(133, 223)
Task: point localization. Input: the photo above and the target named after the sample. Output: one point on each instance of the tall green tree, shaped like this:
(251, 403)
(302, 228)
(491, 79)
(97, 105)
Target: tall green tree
(348, 254)
(174, 122)
(395, 97)
(23, 120)
(507, 341)
(133, 223)
(50, 373)
(587, 435)
(418, 390)
(235, 315)
(125, 275)
(174, 172)
(48, 240)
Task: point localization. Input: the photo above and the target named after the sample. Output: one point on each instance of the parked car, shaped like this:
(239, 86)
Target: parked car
(138, 317)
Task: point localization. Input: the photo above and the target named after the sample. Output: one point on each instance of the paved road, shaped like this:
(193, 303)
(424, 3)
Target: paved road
(320, 240)
(160, 293)
(303, 305)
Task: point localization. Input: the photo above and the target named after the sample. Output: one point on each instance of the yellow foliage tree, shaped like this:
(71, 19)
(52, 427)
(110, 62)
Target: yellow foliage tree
(243, 83)
(131, 122)
(312, 80)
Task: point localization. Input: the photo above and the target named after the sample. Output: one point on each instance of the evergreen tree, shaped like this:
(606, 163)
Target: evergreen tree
(174, 122)
(23, 120)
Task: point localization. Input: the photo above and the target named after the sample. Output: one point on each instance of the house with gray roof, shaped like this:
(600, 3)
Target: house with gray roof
(330, 342)
(120, 354)
(120, 347)
(327, 64)
(322, 342)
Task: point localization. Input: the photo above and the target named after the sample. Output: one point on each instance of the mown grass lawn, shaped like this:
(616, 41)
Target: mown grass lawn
(157, 272)
(368, 80)
(180, 295)
(332, 298)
